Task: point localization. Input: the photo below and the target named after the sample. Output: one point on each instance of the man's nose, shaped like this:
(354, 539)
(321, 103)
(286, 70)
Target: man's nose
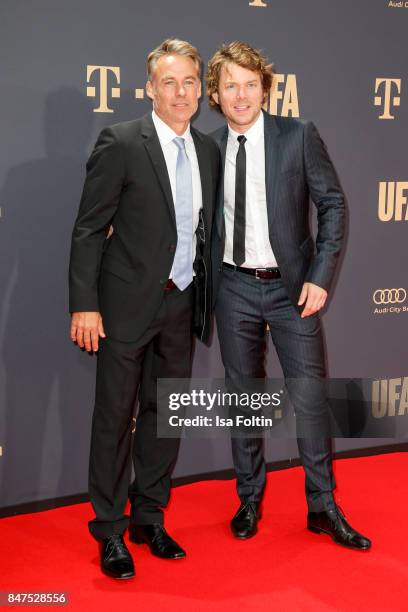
(180, 91)
(241, 93)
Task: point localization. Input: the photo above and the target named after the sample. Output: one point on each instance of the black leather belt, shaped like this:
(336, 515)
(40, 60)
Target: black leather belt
(267, 273)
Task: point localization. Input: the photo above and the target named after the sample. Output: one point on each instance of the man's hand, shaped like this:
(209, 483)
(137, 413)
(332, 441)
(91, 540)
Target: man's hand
(315, 298)
(86, 328)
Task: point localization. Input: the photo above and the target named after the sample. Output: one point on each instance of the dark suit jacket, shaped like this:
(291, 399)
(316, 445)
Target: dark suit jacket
(127, 185)
(297, 166)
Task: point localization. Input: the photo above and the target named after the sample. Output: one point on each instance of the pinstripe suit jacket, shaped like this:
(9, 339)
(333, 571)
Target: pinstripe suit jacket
(297, 168)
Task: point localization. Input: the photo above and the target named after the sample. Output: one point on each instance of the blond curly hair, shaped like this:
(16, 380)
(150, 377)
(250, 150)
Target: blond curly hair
(242, 54)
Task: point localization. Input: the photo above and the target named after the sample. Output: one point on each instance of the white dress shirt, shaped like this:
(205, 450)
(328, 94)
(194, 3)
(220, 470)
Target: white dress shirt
(258, 250)
(170, 151)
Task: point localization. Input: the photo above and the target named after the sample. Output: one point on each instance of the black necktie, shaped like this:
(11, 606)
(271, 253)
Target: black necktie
(239, 215)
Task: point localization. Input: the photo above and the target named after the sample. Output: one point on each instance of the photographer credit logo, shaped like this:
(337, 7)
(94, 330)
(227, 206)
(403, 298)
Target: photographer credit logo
(387, 96)
(390, 301)
(389, 397)
(213, 402)
(392, 201)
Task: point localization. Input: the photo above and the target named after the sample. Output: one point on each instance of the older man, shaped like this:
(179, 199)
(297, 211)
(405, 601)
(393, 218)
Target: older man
(133, 294)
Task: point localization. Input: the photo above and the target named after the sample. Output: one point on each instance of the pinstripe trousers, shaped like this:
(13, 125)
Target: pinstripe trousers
(245, 305)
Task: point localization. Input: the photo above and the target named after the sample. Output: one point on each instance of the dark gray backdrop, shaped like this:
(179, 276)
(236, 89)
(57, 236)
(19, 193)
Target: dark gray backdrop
(337, 50)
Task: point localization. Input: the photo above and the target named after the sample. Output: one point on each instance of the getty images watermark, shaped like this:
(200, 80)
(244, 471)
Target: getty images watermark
(219, 400)
(290, 408)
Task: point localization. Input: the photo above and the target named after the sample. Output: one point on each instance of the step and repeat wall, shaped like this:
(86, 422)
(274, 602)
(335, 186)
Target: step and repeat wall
(70, 68)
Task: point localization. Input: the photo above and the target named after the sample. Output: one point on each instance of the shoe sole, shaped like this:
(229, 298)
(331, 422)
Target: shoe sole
(237, 537)
(245, 537)
(320, 531)
(118, 577)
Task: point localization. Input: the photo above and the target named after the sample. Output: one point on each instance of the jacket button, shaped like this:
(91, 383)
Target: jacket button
(162, 281)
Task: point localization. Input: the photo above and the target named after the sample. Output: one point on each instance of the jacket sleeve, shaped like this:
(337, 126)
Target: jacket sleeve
(99, 201)
(328, 197)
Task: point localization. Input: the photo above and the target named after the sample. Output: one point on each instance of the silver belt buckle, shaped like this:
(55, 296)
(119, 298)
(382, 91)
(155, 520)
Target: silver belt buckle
(259, 270)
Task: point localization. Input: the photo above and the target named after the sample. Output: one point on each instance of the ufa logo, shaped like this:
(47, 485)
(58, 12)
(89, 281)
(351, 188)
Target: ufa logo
(389, 87)
(392, 201)
(257, 3)
(283, 97)
(389, 397)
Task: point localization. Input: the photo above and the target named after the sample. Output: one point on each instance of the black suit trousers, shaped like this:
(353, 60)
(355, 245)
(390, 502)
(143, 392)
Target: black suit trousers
(163, 351)
(244, 306)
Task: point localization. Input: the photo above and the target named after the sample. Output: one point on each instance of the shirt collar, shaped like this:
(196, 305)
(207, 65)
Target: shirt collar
(254, 133)
(165, 133)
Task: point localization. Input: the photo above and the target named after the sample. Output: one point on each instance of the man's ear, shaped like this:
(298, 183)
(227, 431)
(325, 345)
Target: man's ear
(215, 97)
(149, 90)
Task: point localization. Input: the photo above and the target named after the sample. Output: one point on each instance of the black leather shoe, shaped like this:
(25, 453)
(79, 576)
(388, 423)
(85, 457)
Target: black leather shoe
(158, 540)
(245, 523)
(116, 561)
(333, 522)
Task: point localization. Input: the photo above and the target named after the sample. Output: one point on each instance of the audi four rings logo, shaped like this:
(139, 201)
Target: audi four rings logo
(389, 296)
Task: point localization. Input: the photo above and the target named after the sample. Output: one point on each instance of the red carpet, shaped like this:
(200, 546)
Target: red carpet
(284, 567)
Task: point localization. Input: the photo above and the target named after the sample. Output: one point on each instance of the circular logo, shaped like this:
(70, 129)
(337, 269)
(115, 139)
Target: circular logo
(389, 296)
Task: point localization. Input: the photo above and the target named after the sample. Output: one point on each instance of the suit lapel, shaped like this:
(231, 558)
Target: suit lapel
(220, 220)
(205, 176)
(272, 164)
(155, 153)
